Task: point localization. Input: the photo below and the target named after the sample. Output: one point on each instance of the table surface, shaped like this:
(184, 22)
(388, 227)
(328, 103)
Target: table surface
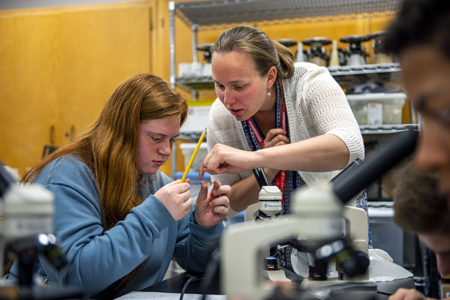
(175, 285)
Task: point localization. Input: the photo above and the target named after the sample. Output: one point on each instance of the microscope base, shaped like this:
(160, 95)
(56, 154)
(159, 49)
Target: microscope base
(276, 275)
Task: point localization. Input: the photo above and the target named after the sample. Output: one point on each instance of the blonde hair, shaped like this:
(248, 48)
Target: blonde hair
(264, 52)
(108, 147)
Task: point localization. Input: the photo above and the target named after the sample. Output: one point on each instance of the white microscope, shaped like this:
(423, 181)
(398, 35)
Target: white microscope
(319, 218)
(27, 227)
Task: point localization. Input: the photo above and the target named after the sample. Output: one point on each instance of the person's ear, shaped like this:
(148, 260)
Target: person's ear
(271, 76)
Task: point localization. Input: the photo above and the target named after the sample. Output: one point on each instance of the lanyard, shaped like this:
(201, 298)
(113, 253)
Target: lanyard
(280, 178)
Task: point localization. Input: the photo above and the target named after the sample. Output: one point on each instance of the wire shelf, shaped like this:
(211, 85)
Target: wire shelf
(196, 83)
(386, 129)
(210, 13)
(364, 69)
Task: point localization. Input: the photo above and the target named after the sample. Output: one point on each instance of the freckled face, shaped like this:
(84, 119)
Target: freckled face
(439, 244)
(156, 139)
(239, 86)
(426, 79)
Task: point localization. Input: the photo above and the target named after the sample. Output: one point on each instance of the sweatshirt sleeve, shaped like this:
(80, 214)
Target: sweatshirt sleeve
(193, 243)
(78, 224)
(192, 240)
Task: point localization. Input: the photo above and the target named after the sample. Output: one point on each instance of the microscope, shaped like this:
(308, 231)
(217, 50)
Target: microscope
(319, 218)
(207, 56)
(27, 227)
(381, 57)
(316, 53)
(356, 52)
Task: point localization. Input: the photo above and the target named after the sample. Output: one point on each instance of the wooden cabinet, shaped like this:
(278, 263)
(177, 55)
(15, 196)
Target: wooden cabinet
(58, 67)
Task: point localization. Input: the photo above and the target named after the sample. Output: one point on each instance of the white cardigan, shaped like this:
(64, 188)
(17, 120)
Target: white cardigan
(315, 105)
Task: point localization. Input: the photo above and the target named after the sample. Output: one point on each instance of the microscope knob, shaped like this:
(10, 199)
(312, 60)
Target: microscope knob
(318, 272)
(353, 265)
(272, 263)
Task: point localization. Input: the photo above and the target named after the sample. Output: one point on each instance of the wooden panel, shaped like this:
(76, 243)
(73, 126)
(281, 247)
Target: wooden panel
(101, 48)
(58, 66)
(29, 81)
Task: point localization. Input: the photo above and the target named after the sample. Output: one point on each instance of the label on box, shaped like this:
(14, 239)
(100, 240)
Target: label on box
(197, 119)
(374, 113)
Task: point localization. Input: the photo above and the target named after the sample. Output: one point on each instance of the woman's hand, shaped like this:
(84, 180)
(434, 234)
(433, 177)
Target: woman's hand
(276, 137)
(211, 207)
(405, 294)
(226, 159)
(176, 198)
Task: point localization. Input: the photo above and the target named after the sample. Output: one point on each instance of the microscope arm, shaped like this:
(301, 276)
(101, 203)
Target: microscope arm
(360, 174)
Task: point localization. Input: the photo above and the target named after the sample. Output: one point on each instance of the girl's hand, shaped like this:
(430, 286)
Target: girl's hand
(211, 207)
(176, 198)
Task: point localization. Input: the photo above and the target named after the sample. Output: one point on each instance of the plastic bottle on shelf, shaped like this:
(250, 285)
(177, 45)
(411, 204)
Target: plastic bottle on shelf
(334, 56)
(300, 57)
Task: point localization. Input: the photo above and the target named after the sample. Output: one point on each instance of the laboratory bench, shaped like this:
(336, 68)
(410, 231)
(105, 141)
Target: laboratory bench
(174, 285)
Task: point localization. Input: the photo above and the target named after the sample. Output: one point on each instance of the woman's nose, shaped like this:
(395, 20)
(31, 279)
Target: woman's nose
(227, 97)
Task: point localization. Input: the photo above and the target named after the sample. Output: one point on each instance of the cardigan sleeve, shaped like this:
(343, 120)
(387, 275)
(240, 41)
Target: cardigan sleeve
(324, 106)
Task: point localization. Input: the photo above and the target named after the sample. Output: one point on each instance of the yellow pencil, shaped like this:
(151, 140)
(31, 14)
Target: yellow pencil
(193, 156)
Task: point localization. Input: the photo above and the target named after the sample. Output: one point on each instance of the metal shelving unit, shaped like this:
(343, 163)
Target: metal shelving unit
(364, 69)
(204, 15)
(219, 12)
(386, 129)
(195, 83)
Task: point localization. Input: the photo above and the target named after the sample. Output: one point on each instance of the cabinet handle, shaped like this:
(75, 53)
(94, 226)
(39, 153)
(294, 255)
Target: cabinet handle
(72, 132)
(51, 133)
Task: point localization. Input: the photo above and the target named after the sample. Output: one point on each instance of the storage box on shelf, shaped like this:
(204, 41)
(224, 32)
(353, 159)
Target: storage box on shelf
(377, 108)
(188, 149)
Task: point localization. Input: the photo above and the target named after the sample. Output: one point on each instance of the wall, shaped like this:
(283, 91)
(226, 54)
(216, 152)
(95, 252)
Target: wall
(21, 4)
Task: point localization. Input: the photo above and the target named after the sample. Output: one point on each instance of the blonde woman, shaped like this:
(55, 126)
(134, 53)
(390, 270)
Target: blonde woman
(294, 121)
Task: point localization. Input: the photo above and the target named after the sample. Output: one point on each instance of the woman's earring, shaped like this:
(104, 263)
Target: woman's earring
(268, 94)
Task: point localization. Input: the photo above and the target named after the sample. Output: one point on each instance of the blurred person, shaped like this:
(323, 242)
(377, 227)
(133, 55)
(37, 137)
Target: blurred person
(420, 209)
(420, 37)
(120, 220)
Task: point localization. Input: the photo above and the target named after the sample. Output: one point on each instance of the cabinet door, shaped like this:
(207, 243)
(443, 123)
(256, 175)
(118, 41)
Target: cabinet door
(58, 66)
(29, 86)
(100, 49)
